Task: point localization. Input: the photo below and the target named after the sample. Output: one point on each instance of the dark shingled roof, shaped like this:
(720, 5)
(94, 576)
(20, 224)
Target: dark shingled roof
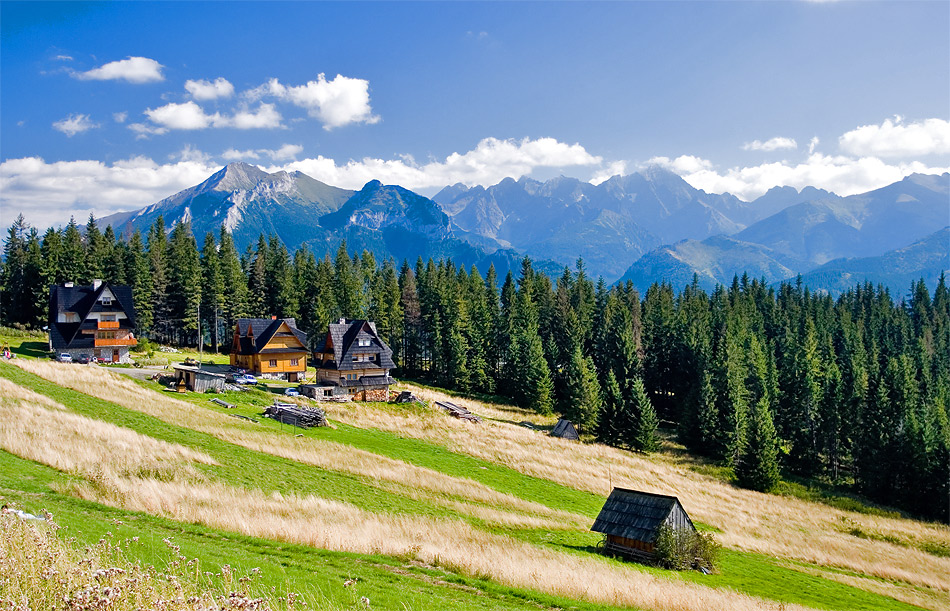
(262, 330)
(82, 301)
(635, 515)
(564, 429)
(343, 338)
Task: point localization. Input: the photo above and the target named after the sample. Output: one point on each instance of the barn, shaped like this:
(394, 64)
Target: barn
(631, 520)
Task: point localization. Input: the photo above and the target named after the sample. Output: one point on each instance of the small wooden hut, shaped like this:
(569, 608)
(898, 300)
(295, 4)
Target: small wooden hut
(565, 430)
(631, 521)
(198, 380)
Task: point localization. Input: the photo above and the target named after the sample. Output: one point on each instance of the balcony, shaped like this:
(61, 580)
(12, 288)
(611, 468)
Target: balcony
(108, 324)
(115, 342)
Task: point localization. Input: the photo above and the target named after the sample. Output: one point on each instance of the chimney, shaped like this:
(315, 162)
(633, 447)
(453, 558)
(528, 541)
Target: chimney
(68, 285)
(96, 284)
(342, 321)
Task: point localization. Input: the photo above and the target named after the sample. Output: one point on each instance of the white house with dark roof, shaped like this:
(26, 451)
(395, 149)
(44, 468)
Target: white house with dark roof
(353, 358)
(94, 321)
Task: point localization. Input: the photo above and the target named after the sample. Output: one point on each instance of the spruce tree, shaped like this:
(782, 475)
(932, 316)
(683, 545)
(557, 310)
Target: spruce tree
(581, 402)
(757, 464)
(645, 423)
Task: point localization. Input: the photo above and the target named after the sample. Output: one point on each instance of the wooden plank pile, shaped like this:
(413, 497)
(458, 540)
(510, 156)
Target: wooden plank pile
(458, 411)
(222, 403)
(297, 415)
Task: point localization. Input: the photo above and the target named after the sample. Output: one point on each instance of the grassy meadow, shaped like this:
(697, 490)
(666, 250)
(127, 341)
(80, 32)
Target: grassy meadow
(402, 507)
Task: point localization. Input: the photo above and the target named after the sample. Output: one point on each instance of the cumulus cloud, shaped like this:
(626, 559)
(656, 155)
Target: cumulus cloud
(335, 103)
(207, 90)
(772, 144)
(813, 144)
(841, 174)
(284, 153)
(614, 168)
(488, 163)
(75, 124)
(120, 117)
(136, 70)
(47, 193)
(894, 138)
(190, 116)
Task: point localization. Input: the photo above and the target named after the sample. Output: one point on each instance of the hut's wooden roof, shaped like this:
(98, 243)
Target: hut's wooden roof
(633, 514)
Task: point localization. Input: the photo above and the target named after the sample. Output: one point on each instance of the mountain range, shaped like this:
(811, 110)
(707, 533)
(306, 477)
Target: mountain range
(644, 227)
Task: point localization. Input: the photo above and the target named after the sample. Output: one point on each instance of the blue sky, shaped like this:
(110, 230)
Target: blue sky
(112, 106)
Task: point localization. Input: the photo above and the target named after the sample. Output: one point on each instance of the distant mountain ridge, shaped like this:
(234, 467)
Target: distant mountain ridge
(645, 227)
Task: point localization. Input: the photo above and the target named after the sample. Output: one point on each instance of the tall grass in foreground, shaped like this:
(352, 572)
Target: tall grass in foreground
(40, 570)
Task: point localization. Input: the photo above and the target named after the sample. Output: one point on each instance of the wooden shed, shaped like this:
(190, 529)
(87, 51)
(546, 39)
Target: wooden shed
(198, 380)
(565, 430)
(631, 519)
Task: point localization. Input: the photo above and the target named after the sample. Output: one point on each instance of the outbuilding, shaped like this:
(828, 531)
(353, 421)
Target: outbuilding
(565, 430)
(631, 520)
(198, 380)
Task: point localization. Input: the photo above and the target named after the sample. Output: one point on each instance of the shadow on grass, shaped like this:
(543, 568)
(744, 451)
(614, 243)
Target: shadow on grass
(32, 349)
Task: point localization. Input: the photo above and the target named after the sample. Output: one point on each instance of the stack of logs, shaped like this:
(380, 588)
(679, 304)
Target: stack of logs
(458, 411)
(297, 415)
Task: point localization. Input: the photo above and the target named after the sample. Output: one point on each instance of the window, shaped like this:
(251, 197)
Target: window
(106, 300)
(364, 341)
(293, 362)
(273, 362)
(355, 358)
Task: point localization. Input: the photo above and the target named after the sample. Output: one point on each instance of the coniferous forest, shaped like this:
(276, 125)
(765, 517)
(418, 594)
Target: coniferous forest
(853, 391)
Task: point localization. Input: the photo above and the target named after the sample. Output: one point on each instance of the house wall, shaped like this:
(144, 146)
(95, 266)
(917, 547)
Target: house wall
(283, 363)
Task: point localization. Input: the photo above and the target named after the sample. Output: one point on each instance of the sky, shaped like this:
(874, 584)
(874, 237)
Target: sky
(106, 107)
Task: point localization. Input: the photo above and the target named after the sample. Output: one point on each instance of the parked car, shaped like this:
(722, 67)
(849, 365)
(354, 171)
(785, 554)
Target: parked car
(292, 392)
(64, 357)
(245, 379)
(83, 359)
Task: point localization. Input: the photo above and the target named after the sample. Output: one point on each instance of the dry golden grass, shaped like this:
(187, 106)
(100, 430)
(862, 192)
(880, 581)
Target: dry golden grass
(461, 494)
(39, 570)
(776, 526)
(448, 543)
(36, 427)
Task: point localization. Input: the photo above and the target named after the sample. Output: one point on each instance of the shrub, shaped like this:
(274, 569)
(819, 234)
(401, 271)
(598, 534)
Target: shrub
(682, 549)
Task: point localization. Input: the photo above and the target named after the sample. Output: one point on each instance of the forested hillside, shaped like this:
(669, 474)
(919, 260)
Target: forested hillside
(854, 391)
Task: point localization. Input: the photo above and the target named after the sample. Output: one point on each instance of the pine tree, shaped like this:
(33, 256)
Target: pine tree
(645, 421)
(757, 465)
(257, 297)
(610, 428)
(581, 402)
(158, 267)
(233, 282)
(184, 286)
(140, 278)
(74, 254)
(212, 288)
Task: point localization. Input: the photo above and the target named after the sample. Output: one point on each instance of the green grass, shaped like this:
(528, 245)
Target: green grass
(395, 581)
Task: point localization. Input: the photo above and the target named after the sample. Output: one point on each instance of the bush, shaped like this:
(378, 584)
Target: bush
(685, 549)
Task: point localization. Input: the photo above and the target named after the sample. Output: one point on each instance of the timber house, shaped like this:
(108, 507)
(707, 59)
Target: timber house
(354, 358)
(270, 346)
(92, 321)
(631, 520)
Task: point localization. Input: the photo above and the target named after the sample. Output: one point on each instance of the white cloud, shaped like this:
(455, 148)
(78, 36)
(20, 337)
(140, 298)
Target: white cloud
(284, 153)
(48, 193)
(64, 58)
(206, 90)
(813, 144)
(190, 153)
(335, 103)
(840, 174)
(614, 168)
(684, 164)
(120, 117)
(772, 144)
(75, 124)
(136, 70)
(144, 131)
(190, 116)
(897, 139)
(491, 161)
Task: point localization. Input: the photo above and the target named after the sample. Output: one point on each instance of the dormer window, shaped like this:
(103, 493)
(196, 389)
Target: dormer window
(106, 301)
(364, 341)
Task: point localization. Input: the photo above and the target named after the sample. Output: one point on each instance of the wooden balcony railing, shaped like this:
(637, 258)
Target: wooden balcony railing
(116, 342)
(108, 324)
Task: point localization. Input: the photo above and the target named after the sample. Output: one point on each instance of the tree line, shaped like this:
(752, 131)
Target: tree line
(854, 390)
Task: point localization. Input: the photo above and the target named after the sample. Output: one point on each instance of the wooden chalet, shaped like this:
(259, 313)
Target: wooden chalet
(92, 321)
(353, 357)
(631, 519)
(565, 430)
(273, 346)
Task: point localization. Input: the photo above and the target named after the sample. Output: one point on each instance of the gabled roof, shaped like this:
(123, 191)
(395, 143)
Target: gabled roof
(564, 429)
(633, 514)
(343, 336)
(255, 333)
(82, 301)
